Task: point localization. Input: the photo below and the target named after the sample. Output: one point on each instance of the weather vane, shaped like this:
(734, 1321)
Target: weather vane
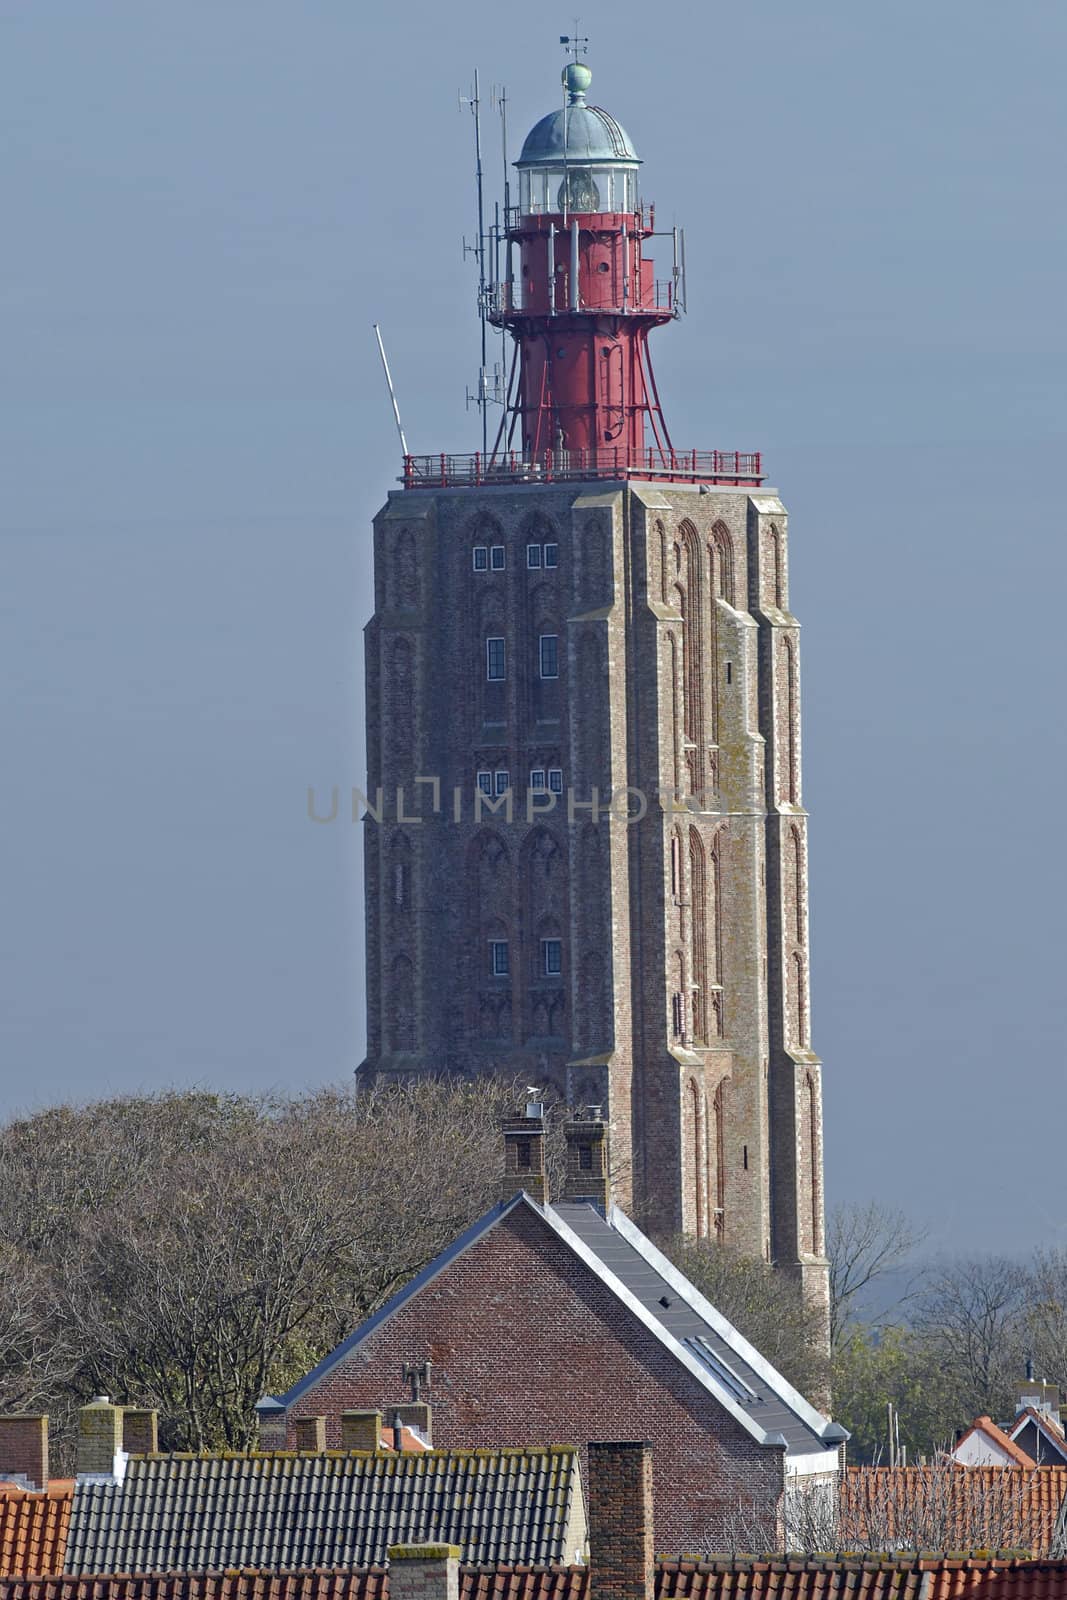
(577, 45)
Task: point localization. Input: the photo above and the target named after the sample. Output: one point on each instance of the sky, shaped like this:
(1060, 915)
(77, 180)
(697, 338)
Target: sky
(207, 204)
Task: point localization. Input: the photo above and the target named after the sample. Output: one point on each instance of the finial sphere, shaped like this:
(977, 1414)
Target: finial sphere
(576, 79)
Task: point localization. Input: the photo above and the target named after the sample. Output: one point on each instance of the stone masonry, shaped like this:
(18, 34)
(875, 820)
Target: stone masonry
(656, 966)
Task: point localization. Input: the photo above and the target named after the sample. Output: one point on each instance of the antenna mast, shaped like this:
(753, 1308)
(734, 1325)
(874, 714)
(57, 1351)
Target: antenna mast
(392, 391)
(478, 250)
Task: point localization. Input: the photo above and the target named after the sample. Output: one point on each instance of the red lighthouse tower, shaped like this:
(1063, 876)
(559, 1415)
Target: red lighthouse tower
(581, 296)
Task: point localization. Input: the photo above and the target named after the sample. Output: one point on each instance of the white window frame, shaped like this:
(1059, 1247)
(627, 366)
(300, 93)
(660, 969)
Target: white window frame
(550, 560)
(483, 551)
(484, 780)
(498, 558)
(555, 780)
(499, 959)
(551, 947)
(502, 781)
(542, 641)
(491, 676)
(533, 556)
(538, 785)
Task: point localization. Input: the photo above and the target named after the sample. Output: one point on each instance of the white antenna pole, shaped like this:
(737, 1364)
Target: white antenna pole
(392, 391)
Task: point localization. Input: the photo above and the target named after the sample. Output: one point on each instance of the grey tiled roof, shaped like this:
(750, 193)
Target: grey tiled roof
(761, 1393)
(175, 1513)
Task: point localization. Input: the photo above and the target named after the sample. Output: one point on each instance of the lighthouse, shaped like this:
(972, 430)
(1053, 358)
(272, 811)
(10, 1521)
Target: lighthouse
(581, 296)
(585, 838)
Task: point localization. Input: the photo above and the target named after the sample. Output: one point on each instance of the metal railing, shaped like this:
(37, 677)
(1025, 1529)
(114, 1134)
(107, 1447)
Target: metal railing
(505, 299)
(739, 468)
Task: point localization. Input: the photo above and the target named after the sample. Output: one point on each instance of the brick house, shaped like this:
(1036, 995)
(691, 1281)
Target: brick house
(562, 1322)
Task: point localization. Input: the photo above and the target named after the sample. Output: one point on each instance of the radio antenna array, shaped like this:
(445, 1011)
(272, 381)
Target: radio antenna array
(478, 250)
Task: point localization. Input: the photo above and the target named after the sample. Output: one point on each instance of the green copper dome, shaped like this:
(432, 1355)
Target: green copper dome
(577, 133)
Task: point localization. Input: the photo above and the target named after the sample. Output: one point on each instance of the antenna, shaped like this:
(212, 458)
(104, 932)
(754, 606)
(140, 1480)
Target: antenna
(475, 103)
(392, 391)
(498, 97)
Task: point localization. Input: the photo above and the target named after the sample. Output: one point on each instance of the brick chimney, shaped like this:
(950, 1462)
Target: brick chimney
(24, 1450)
(100, 1452)
(524, 1154)
(270, 1424)
(361, 1430)
(310, 1433)
(587, 1177)
(621, 1557)
(140, 1431)
(424, 1571)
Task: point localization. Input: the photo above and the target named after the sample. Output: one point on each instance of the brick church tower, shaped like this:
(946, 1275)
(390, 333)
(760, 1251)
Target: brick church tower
(586, 849)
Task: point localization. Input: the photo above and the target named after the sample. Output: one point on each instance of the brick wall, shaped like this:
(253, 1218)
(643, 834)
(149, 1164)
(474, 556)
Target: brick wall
(529, 1349)
(24, 1449)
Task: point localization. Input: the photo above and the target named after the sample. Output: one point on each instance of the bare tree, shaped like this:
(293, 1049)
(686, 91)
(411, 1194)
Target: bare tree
(972, 1314)
(864, 1243)
(193, 1251)
(942, 1507)
(1046, 1314)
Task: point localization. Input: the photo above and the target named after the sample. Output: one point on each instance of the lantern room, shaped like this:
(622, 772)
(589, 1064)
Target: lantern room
(577, 159)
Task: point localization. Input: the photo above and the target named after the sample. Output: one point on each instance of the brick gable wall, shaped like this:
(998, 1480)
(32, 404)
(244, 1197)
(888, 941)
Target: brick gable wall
(528, 1348)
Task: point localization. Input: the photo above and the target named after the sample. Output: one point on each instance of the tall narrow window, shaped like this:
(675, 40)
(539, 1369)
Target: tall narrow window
(551, 555)
(485, 782)
(551, 957)
(555, 779)
(503, 782)
(549, 655)
(497, 558)
(537, 780)
(481, 558)
(494, 659)
(533, 555)
(499, 966)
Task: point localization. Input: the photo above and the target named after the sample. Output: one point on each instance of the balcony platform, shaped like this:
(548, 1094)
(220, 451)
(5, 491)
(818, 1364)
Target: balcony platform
(734, 468)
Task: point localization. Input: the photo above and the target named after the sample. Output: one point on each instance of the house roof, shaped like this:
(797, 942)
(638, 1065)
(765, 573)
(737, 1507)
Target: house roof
(989, 1430)
(739, 1578)
(33, 1529)
(956, 1508)
(888, 1577)
(699, 1338)
(1052, 1435)
(281, 1510)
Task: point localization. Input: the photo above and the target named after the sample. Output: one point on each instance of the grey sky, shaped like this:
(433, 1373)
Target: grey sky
(205, 207)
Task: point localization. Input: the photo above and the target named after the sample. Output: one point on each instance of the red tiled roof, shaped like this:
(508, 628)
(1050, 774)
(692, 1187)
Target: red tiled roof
(310, 1583)
(33, 1529)
(864, 1578)
(986, 1426)
(523, 1583)
(738, 1578)
(320, 1583)
(791, 1578)
(957, 1508)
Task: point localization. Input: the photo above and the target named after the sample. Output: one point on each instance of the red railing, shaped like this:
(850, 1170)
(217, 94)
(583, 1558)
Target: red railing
(740, 468)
